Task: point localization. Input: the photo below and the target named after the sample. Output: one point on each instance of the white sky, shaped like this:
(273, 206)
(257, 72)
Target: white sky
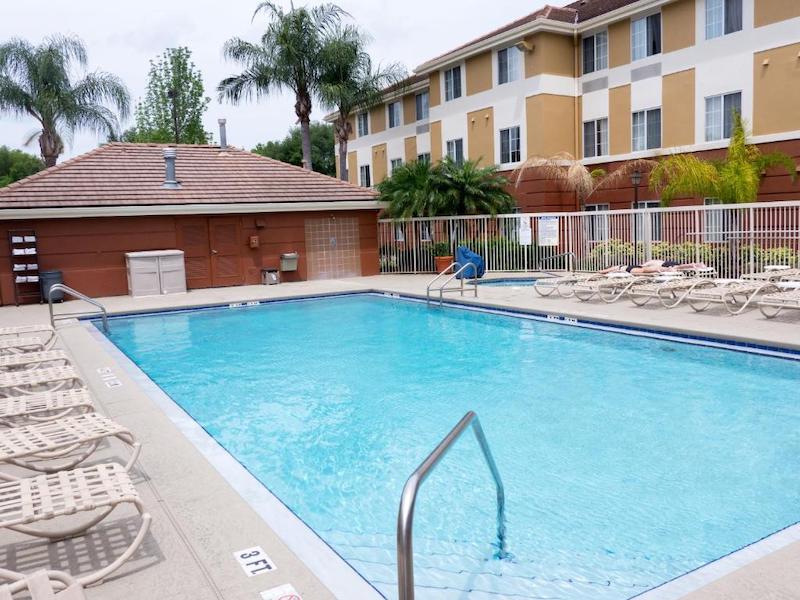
(121, 37)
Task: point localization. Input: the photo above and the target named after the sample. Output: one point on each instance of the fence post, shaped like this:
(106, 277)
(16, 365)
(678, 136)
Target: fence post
(647, 217)
(698, 236)
(751, 223)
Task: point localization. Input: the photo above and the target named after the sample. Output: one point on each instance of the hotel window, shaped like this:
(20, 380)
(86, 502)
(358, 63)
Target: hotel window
(395, 162)
(422, 100)
(655, 220)
(596, 226)
(715, 222)
(510, 151)
(425, 232)
(646, 129)
(509, 65)
(723, 17)
(424, 157)
(362, 121)
(595, 138)
(452, 84)
(399, 234)
(365, 179)
(394, 114)
(719, 115)
(646, 36)
(595, 52)
(455, 151)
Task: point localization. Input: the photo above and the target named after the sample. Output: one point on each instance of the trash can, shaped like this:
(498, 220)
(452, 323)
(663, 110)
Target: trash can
(48, 279)
(270, 276)
(289, 261)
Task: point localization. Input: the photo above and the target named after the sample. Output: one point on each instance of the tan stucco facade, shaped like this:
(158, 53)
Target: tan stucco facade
(435, 91)
(619, 119)
(480, 136)
(776, 90)
(552, 53)
(377, 118)
(677, 109)
(409, 109)
(551, 124)
(479, 73)
(410, 148)
(436, 141)
(619, 43)
(678, 25)
(380, 163)
(352, 167)
(772, 11)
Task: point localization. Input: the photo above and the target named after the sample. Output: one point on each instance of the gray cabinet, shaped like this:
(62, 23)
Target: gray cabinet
(155, 272)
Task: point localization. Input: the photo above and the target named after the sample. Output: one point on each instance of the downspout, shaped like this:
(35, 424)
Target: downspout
(577, 117)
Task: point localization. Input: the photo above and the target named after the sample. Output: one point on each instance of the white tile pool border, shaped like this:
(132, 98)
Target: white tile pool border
(331, 569)
(322, 560)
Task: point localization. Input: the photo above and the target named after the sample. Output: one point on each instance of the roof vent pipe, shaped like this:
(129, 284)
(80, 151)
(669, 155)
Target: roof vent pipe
(223, 135)
(170, 182)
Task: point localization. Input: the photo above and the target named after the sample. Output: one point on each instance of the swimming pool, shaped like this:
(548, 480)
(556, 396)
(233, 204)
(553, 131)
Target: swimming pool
(507, 282)
(626, 461)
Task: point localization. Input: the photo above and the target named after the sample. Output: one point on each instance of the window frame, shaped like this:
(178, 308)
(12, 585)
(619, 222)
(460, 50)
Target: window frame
(595, 223)
(723, 22)
(511, 152)
(395, 109)
(365, 115)
(508, 75)
(709, 132)
(394, 163)
(647, 21)
(714, 222)
(455, 84)
(362, 170)
(604, 145)
(458, 147)
(647, 115)
(597, 63)
(424, 156)
(422, 109)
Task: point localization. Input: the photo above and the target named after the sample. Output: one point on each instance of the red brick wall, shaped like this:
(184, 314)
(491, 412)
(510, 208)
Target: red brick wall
(91, 251)
(535, 194)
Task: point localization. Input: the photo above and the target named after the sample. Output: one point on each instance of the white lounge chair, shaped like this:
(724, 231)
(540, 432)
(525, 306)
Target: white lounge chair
(18, 345)
(609, 288)
(736, 295)
(69, 440)
(44, 406)
(670, 291)
(43, 498)
(772, 273)
(772, 304)
(41, 585)
(44, 332)
(33, 360)
(50, 379)
(563, 284)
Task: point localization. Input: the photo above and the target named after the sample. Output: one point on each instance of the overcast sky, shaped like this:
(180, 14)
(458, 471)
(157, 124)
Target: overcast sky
(123, 37)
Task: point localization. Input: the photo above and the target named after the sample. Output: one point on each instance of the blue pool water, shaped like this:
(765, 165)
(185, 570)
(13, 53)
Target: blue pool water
(627, 461)
(508, 282)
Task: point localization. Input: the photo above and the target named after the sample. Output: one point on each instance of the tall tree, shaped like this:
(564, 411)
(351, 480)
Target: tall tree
(350, 83)
(287, 57)
(569, 173)
(289, 149)
(35, 81)
(172, 109)
(16, 165)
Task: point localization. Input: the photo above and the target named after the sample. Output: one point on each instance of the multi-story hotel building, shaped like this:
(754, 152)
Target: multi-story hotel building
(604, 80)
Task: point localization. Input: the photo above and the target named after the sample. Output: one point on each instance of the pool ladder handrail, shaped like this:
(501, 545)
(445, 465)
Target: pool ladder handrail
(405, 516)
(443, 288)
(572, 256)
(60, 287)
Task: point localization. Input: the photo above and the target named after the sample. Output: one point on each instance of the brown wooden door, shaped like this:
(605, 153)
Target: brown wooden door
(226, 260)
(193, 240)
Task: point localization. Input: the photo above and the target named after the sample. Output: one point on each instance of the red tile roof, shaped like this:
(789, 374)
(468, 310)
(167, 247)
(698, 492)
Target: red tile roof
(121, 174)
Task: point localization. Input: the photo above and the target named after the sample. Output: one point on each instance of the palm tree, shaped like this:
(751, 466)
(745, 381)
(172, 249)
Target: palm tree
(287, 56)
(349, 82)
(567, 171)
(732, 180)
(413, 190)
(35, 81)
(468, 189)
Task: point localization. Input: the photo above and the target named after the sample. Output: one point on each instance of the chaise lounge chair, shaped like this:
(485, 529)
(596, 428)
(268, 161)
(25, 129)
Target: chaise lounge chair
(772, 273)
(564, 284)
(44, 406)
(44, 332)
(33, 360)
(43, 498)
(772, 304)
(736, 295)
(50, 379)
(19, 345)
(69, 440)
(41, 585)
(671, 291)
(609, 288)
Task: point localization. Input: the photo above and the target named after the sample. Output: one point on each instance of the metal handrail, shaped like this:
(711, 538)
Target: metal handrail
(572, 255)
(443, 288)
(60, 287)
(405, 516)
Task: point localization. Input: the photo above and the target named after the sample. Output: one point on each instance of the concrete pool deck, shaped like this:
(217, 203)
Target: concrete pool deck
(199, 520)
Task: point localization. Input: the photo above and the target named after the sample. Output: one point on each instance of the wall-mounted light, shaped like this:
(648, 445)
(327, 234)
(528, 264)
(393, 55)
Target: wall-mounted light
(765, 62)
(525, 46)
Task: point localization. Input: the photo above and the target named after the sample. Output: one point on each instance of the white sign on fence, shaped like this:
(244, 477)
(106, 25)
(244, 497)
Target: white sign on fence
(547, 229)
(525, 236)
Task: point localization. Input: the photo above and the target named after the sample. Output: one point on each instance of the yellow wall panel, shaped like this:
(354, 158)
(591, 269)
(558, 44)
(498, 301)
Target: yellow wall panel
(352, 167)
(410, 144)
(677, 109)
(380, 163)
(619, 119)
(479, 73)
(480, 136)
(377, 118)
(436, 142)
(551, 124)
(619, 43)
(678, 25)
(776, 90)
(552, 53)
(772, 11)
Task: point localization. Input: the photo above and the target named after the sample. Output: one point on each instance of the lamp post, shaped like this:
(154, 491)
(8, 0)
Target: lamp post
(636, 180)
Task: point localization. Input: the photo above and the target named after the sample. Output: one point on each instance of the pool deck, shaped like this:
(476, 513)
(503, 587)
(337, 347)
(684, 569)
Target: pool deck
(199, 520)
